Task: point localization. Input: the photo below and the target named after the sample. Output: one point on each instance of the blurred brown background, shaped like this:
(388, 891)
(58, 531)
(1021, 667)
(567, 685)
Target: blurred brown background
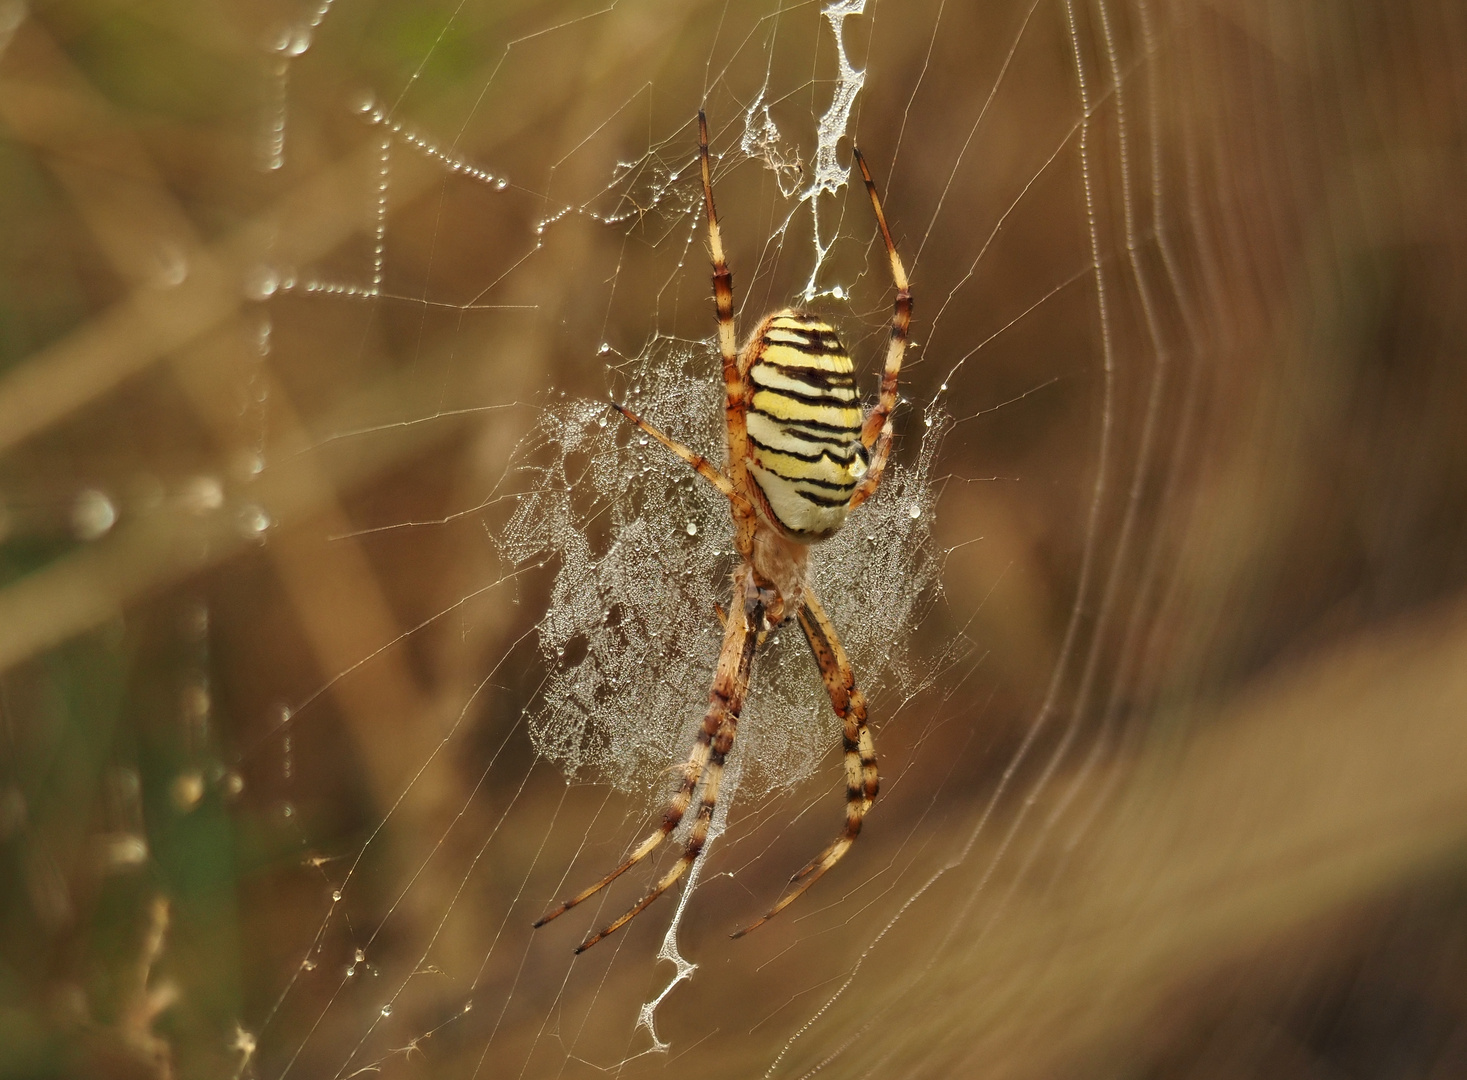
(1186, 800)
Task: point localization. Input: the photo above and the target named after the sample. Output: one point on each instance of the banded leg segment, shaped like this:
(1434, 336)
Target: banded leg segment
(701, 465)
(671, 817)
(876, 469)
(722, 744)
(876, 432)
(706, 762)
(722, 278)
(862, 780)
(733, 374)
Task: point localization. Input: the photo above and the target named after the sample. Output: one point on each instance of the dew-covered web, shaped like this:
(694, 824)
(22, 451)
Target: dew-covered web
(528, 240)
(643, 553)
(345, 628)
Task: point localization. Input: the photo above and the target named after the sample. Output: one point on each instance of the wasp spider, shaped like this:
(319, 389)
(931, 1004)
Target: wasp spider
(801, 456)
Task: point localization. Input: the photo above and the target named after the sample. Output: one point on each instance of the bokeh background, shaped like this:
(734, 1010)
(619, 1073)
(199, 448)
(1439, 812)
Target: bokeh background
(1183, 792)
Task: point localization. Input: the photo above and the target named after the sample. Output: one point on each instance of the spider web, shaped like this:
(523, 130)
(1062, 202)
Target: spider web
(440, 627)
(629, 635)
(637, 547)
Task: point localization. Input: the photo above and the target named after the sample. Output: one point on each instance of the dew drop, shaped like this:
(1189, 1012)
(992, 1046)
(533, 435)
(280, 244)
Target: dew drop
(692, 528)
(248, 465)
(292, 41)
(915, 512)
(287, 811)
(335, 895)
(121, 851)
(838, 292)
(202, 494)
(92, 515)
(309, 965)
(387, 1010)
(195, 701)
(501, 184)
(605, 347)
(187, 790)
(195, 621)
(365, 102)
(262, 282)
(253, 522)
(262, 336)
(171, 266)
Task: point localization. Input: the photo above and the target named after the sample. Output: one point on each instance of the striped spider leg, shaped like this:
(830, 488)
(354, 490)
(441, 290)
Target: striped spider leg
(801, 456)
(710, 750)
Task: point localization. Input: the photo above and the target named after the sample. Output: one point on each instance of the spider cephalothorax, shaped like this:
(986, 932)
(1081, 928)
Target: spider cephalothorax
(801, 456)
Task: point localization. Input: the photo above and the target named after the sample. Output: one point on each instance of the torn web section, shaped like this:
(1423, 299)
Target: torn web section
(763, 139)
(830, 174)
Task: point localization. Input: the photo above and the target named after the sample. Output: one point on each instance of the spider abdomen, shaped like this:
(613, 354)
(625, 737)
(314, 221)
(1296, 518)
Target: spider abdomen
(804, 423)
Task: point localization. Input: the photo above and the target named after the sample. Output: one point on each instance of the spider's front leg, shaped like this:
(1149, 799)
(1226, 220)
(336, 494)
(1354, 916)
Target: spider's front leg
(876, 434)
(699, 464)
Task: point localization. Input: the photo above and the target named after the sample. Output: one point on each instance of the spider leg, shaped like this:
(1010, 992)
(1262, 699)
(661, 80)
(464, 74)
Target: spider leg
(722, 744)
(733, 368)
(876, 469)
(700, 464)
(722, 278)
(723, 621)
(860, 753)
(876, 433)
(715, 739)
(719, 703)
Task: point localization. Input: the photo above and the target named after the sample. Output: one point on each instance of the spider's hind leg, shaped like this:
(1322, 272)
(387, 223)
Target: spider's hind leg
(860, 753)
(715, 740)
(722, 744)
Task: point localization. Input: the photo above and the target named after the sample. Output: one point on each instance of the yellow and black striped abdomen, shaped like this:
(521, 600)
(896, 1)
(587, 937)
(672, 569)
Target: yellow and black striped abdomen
(804, 420)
